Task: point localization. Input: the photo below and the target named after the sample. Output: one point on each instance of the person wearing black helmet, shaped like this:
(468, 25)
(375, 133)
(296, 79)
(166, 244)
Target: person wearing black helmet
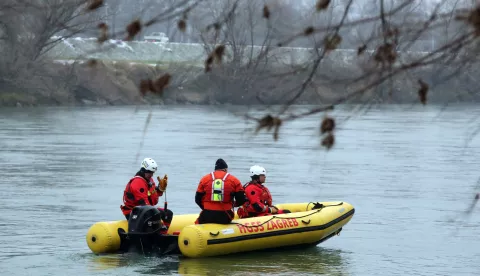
(217, 194)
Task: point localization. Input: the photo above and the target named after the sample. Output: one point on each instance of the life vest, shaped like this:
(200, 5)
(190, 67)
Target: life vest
(130, 199)
(218, 195)
(261, 194)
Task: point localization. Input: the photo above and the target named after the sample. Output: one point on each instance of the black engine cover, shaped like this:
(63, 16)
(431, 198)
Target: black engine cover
(144, 226)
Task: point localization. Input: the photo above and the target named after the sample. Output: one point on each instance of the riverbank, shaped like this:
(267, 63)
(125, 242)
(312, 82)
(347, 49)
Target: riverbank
(117, 83)
(81, 82)
(115, 77)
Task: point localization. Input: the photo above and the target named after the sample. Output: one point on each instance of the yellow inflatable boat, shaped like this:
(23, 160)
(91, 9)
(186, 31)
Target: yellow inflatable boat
(308, 224)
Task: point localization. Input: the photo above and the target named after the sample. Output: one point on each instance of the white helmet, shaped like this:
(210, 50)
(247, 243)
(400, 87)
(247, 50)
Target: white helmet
(149, 164)
(257, 170)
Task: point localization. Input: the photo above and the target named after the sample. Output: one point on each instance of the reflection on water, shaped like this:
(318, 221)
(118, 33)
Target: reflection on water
(135, 262)
(309, 261)
(112, 261)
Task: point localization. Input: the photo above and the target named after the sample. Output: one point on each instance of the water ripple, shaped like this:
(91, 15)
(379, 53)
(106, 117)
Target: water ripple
(407, 173)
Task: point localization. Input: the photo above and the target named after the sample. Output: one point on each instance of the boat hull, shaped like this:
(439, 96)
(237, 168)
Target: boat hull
(297, 229)
(307, 225)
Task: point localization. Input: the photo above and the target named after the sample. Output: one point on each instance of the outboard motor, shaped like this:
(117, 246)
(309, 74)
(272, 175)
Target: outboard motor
(145, 229)
(145, 220)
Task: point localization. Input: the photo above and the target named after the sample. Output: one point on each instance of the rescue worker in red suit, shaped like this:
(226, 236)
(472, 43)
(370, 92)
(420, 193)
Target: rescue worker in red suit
(259, 198)
(141, 190)
(217, 194)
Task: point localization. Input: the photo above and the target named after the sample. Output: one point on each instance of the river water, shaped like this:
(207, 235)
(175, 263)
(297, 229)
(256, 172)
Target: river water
(410, 172)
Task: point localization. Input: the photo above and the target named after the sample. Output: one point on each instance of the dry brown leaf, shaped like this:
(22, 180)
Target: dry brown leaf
(322, 4)
(422, 91)
(266, 12)
(94, 4)
(265, 122)
(182, 25)
(208, 63)
(103, 32)
(277, 122)
(328, 124)
(332, 42)
(386, 53)
(328, 141)
(133, 29)
(361, 49)
(308, 31)
(145, 86)
(218, 53)
(268, 122)
(102, 26)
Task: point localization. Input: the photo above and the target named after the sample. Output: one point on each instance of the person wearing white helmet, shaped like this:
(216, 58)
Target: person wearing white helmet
(259, 197)
(142, 190)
